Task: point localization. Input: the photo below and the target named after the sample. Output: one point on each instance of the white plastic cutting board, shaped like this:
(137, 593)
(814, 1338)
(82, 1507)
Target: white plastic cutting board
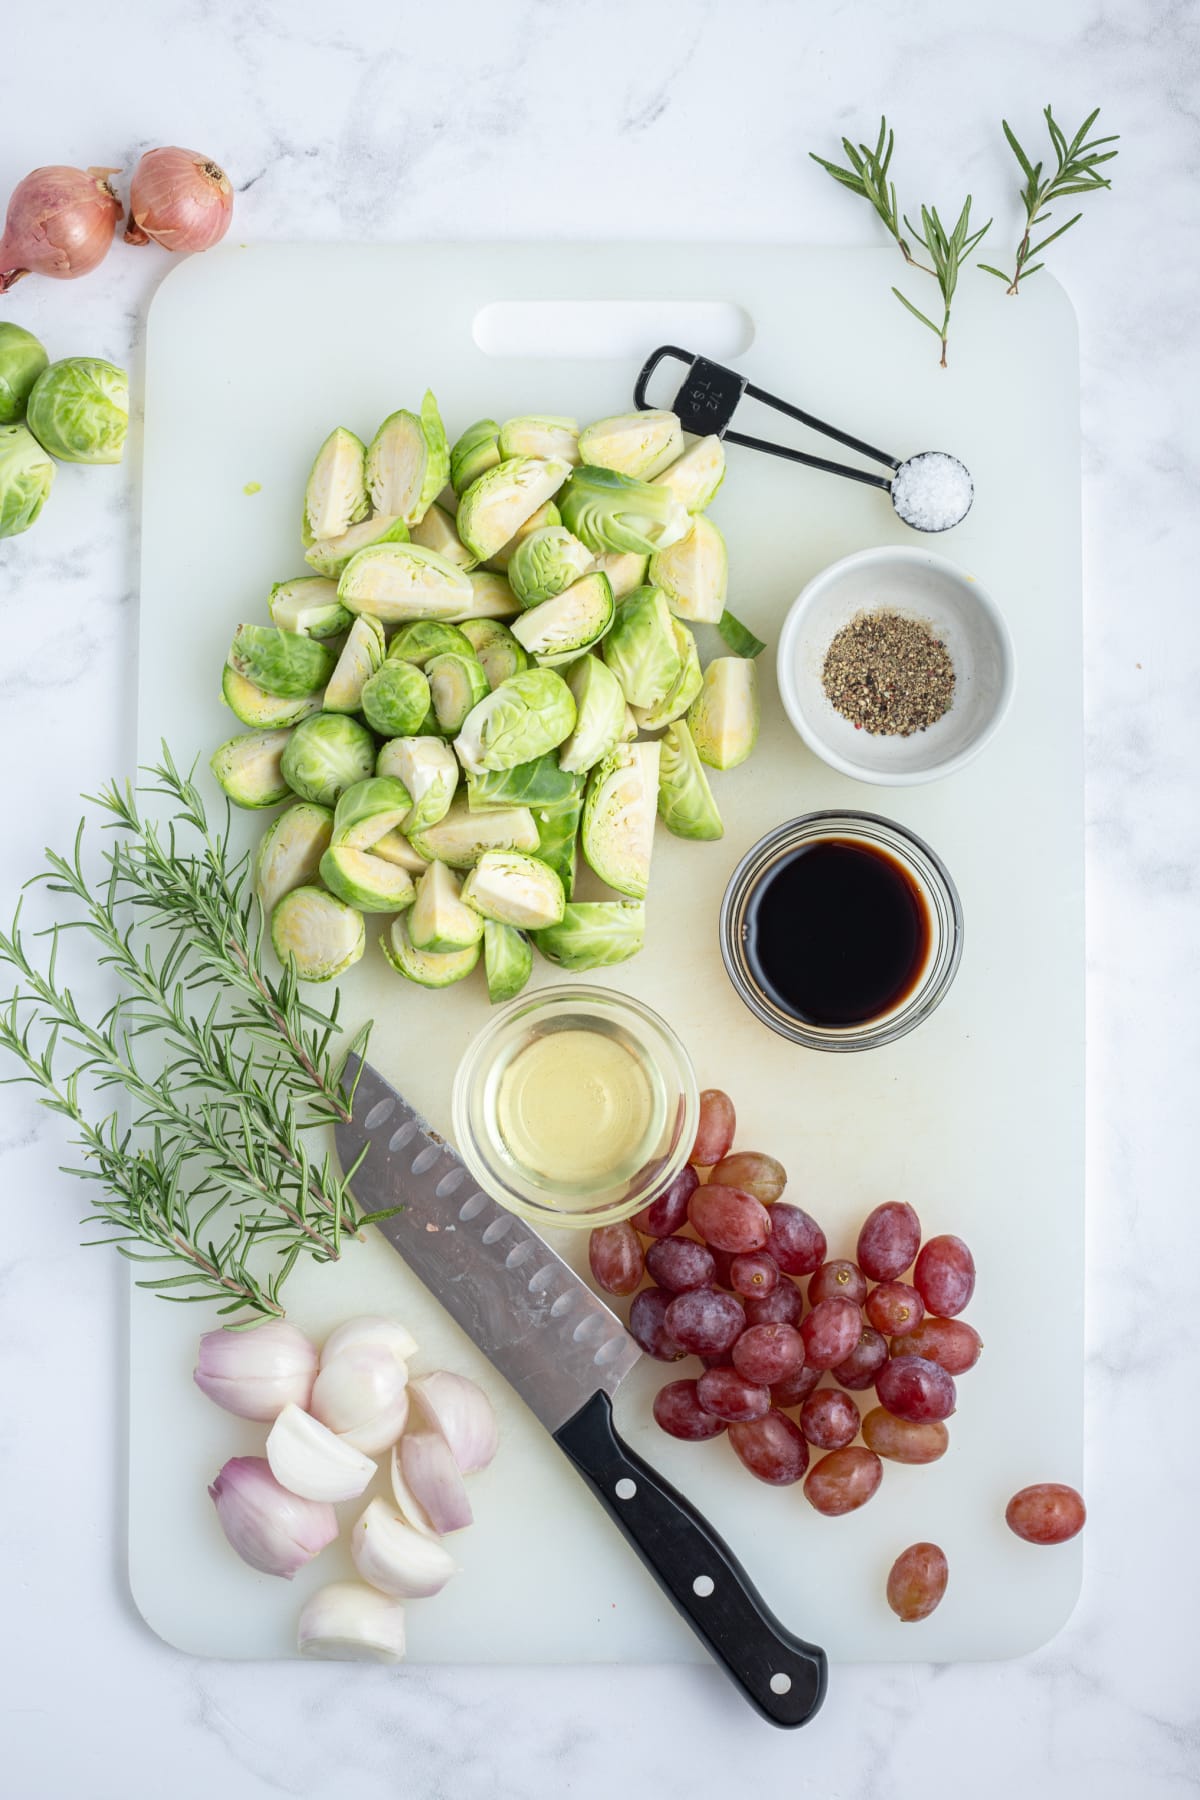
(976, 1118)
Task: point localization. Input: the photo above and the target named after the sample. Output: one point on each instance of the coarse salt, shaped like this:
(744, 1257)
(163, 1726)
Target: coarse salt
(932, 491)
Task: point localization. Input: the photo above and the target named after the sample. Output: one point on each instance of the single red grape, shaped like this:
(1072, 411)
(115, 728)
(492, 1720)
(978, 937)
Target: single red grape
(829, 1419)
(664, 1215)
(859, 1368)
(796, 1242)
(830, 1332)
(704, 1321)
(754, 1173)
(892, 1307)
(837, 1281)
(769, 1353)
(915, 1389)
(903, 1442)
(679, 1263)
(888, 1241)
(728, 1219)
(677, 1410)
(648, 1327)
(615, 1258)
(784, 1305)
(754, 1274)
(917, 1581)
(843, 1481)
(1048, 1513)
(952, 1343)
(945, 1276)
(729, 1396)
(773, 1448)
(796, 1388)
(714, 1132)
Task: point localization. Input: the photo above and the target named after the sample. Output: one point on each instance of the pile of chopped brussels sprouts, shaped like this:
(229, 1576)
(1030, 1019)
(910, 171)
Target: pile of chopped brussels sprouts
(454, 697)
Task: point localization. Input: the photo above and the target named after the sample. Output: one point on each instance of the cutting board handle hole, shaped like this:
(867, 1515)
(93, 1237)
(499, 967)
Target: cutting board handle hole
(606, 330)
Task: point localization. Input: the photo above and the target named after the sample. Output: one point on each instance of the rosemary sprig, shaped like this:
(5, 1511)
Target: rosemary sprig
(948, 251)
(1077, 172)
(868, 176)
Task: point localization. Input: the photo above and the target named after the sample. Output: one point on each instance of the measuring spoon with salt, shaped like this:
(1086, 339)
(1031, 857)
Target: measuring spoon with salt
(930, 491)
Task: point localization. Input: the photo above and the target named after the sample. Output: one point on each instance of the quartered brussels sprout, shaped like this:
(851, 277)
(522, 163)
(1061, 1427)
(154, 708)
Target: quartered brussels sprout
(685, 800)
(26, 477)
(599, 715)
(524, 717)
(428, 968)
(537, 521)
(335, 496)
(371, 883)
(491, 598)
(436, 531)
(437, 468)
(637, 443)
(78, 410)
(618, 817)
(641, 649)
(694, 573)
(369, 810)
(594, 934)
(395, 848)
(724, 719)
(695, 476)
(512, 889)
(319, 933)
(250, 767)
(607, 511)
(498, 651)
(626, 570)
(683, 689)
(456, 684)
(540, 784)
(408, 462)
(327, 754)
(290, 853)
(396, 699)
(251, 706)
(540, 434)
(546, 562)
(474, 453)
(461, 838)
(440, 919)
(362, 654)
(494, 507)
(558, 835)
(559, 630)
(280, 662)
(331, 556)
(507, 961)
(22, 360)
(399, 582)
(428, 769)
(309, 605)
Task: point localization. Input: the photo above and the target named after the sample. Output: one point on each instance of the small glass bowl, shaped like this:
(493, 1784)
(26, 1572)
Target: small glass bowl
(615, 1193)
(925, 869)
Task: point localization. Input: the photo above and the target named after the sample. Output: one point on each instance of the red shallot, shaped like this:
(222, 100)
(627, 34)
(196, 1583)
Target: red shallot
(179, 198)
(60, 223)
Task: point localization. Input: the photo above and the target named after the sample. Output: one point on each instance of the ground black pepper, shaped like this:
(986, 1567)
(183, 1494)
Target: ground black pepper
(888, 675)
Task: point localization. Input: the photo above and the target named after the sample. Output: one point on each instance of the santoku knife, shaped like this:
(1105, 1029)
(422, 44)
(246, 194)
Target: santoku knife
(566, 1354)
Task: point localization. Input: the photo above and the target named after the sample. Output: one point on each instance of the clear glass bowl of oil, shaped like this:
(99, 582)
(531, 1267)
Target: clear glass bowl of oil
(575, 1106)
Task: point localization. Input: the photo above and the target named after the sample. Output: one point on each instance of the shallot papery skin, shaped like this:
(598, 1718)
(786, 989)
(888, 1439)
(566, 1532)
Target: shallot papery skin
(271, 1529)
(60, 223)
(256, 1373)
(181, 199)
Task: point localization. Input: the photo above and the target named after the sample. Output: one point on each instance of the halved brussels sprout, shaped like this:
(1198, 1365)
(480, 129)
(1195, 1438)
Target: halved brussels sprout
(524, 717)
(427, 968)
(599, 715)
(636, 443)
(319, 933)
(440, 920)
(436, 532)
(559, 630)
(408, 462)
(335, 496)
(327, 754)
(395, 848)
(546, 562)
(539, 783)
(607, 511)
(512, 889)
(371, 883)
(474, 453)
(362, 654)
(26, 477)
(495, 506)
(369, 810)
(456, 684)
(250, 767)
(537, 521)
(642, 650)
(685, 800)
(396, 699)
(695, 476)
(618, 817)
(290, 853)
(398, 582)
(308, 604)
(331, 556)
(558, 834)
(491, 598)
(78, 410)
(540, 434)
(426, 638)
(461, 838)
(507, 961)
(694, 573)
(499, 653)
(724, 719)
(626, 570)
(22, 360)
(683, 689)
(251, 706)
(280, 662)
(428, 768)
(594, 934)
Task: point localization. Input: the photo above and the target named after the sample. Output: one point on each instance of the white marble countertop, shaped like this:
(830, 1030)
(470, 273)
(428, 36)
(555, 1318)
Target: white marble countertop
(613, 120)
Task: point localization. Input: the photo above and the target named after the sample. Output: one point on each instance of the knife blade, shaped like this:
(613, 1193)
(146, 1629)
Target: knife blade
(565, 1353)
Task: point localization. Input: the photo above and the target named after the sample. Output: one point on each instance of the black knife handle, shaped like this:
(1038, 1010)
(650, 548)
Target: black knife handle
(698, 1570)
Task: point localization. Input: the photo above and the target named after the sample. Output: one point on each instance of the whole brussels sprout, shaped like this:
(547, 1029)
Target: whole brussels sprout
(524, 717)
(396, 699)
(325, 755)
(290, 853)
(320, 934)
(637, 443)
(26, 477)
(594, 934)
(335, 496)
(507, 961)
(546, 562)
(607, 511)
(280, 662)
(685, 801)
(22, 360)
(78, 410)
(642, 650)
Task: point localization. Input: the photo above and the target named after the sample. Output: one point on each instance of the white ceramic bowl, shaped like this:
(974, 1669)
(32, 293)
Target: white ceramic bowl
(918, 585)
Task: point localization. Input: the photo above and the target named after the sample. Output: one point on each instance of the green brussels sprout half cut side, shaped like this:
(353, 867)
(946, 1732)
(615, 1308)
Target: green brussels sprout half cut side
(507, 961)
(396, 699)
(26, 477)
(250, 769)
(282, 663)
(428, 968)
(642, 650)
(694, 574)
(599, 715)
(491, 598)
(461, 837)
(308, 604)
(369, 810)
(618, 817)
(540, 434)
(545, 516)
(22, 360)
(428, 768)
(393, 847)
(524, 717)
(607, 511)
(559, 630)
(539, 783)
(495, 507)
(546, 562)
(440, 920)
(685, 800)
(474, 453)
(512, 889)
(683, 689)
(331, 556)
(594, 934)
(500, 655)
(408, 462)
(370, 883)
(362, 654)
(290, 853)
(436, 532)
(626, 570)
(740, 639)
(399, 582)
(78, 410)
(327, 754)
(724, 719)
(335, 495)
(640, 444)
(317, 932)
(695, 476)
(456, 684)
(251, 706)
(558, 835)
